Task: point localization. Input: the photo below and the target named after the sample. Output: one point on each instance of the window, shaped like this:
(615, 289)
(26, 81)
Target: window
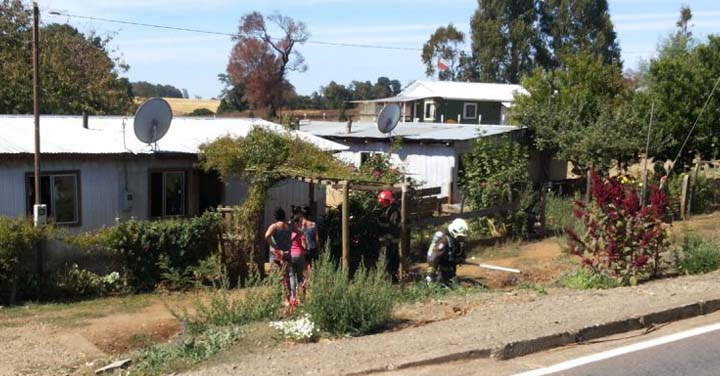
(430, 111)
(167, 194)
(470, 111)
(59, 191)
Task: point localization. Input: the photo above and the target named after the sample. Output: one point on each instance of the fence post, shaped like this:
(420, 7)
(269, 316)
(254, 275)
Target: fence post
(404, 244)
(345, 226)
(684, 196)
(588, 187)
(693, 186)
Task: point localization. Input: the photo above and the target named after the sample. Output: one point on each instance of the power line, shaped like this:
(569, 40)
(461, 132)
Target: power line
(201, 31)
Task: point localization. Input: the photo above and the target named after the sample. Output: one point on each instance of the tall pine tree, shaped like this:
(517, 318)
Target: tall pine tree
(506, 44)
(574, 26)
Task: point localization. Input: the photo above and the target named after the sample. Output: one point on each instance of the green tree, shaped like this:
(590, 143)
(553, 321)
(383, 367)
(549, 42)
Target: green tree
(573, 26)
(231, 97)
(679, 82)
(583, 113)
(445, 43)
(506, 42)
(336, 95)
(77, 71)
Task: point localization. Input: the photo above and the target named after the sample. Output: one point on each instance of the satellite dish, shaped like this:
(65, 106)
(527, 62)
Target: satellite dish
(388, 118)
(152, 120)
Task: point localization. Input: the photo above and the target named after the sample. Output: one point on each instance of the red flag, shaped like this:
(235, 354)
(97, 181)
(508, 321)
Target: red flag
(442, 66)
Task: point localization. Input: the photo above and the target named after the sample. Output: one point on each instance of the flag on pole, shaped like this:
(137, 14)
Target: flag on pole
(442, 65)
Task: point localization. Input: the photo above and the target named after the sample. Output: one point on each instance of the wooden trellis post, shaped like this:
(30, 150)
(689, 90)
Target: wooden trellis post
(345, 226)
(684, 196)
(404, 245)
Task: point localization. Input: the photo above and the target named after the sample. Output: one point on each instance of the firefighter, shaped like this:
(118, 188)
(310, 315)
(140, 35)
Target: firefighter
(446, 252)
(389, 221)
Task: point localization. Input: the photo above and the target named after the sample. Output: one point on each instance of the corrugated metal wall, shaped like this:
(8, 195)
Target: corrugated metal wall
(429, 165)
(103, 182)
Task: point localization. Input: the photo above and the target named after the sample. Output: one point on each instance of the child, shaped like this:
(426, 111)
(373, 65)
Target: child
(298, 244)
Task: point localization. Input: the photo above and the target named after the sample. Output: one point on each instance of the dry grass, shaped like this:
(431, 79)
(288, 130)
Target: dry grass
(182, 106)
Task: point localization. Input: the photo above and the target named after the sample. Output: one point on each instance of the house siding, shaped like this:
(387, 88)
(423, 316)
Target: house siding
(102, 183)
(430, 165)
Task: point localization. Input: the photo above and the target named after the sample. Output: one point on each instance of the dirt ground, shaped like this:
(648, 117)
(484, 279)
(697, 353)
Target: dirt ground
(63, 338)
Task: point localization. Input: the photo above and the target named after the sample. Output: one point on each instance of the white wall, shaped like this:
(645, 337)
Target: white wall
(102, 183)
(430, 165)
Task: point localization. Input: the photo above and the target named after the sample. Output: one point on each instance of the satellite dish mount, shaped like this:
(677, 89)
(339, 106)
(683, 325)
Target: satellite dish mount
(152, 121)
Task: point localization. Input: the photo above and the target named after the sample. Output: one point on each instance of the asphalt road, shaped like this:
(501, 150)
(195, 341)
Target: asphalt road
(696, 356)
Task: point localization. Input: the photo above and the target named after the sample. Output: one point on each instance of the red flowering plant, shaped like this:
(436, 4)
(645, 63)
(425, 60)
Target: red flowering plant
(378, 167)
(622, 238)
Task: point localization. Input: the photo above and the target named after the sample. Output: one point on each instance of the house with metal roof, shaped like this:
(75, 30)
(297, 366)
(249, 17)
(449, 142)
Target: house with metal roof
(448, 102)
(431, 153)
(96, 172)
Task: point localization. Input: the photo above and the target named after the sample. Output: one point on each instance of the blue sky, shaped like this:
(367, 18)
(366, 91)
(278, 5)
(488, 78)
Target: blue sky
(192, 61)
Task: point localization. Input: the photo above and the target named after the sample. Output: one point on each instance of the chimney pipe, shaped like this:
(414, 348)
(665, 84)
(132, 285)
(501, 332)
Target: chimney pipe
(85, 119)
(348, 127)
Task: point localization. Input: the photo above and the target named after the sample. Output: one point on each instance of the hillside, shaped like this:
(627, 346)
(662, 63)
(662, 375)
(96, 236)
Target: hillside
(181, 106)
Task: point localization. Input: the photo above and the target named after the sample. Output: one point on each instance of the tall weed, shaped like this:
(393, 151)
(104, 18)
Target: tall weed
(699, 255)
(340, 305)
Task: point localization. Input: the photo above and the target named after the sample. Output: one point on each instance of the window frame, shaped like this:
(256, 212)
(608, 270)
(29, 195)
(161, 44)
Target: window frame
(425, 110)
(185, 198)
(52, 206)
(466, 105)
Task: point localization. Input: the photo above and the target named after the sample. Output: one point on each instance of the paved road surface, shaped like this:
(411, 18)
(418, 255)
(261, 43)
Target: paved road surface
(696, 355)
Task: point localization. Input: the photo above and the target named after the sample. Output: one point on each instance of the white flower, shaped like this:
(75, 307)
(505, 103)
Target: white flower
(302, 329)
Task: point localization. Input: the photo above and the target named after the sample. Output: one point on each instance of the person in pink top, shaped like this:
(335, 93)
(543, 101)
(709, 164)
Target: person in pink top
(298, 244)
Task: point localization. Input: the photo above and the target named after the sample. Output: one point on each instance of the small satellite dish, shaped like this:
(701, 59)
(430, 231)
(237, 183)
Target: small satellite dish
(152, 120)
(388, 118)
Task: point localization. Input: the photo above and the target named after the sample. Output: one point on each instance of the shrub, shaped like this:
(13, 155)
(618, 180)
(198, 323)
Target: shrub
(17, 239)
(201, 112)
(260, 302)
(189, 349)
(584, 280)
(180, 243)
(699, 255)
(621, 238)
(343, 306)
(559, 214)
(75, 282)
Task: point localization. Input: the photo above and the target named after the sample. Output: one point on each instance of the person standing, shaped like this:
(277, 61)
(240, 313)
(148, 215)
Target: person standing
(298, 244)
(278, 238)
(389, 221)
(312, 237)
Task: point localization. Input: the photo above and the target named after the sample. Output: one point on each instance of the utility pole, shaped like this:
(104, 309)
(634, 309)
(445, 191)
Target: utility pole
(36, 100)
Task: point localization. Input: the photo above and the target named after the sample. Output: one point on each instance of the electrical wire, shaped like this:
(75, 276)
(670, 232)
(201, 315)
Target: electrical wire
(201, 31)
(687, 138)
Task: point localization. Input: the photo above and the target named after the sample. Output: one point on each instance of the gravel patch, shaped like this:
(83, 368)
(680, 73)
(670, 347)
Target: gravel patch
(499, 318)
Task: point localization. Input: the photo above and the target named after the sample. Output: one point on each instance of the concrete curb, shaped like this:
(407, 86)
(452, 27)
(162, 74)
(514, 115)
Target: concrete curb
(525, 347)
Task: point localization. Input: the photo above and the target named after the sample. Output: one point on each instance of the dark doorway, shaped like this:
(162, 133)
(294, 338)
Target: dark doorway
(210, 190)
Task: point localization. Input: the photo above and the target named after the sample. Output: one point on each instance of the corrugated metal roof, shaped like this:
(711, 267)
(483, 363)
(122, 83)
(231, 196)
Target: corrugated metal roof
(470, 91)
(65, 134)
(408, 131)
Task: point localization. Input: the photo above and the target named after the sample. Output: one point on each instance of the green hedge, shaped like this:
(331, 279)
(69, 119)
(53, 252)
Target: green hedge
(180, 243)
(17, 239)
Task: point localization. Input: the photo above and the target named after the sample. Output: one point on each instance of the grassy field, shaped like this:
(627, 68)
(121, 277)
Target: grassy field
(182, 106)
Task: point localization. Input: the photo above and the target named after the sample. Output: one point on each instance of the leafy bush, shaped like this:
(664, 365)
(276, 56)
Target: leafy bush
(621, 238)
(343, 306)
(201, 112)
(364, 229)
(496, 173)
(585, 280)
(699, 255)
(75, 283)
(17, 238)
(180, 243)
(225, 308)
(189, 349)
